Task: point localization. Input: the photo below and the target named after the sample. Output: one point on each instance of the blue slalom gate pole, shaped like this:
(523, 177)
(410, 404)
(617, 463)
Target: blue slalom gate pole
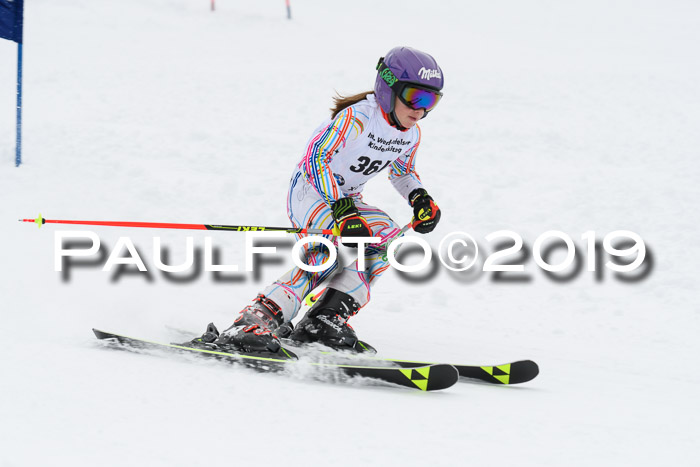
(18, 147)
(12, 28)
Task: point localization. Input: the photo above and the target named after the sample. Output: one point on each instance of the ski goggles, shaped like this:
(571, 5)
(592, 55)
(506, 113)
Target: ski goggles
(413, 95)
(418, 97)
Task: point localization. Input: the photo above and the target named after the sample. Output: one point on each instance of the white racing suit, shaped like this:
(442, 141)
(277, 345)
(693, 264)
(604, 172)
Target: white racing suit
(341, 156)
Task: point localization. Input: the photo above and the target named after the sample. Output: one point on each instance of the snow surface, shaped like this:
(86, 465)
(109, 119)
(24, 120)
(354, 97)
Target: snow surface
(575, 116)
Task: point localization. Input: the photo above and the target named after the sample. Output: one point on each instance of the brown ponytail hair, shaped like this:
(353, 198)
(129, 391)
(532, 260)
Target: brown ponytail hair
(341, 102)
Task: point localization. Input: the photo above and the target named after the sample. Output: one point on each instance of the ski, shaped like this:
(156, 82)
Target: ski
(517, 372)
(430, 377)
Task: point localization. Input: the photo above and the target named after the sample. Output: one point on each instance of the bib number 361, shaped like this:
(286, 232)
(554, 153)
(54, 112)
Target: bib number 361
(368, 166)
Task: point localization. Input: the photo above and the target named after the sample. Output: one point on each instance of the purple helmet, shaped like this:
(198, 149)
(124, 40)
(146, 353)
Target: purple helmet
(404, 67)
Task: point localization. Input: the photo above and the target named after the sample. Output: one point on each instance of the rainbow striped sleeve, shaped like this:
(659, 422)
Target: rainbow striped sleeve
(402, 172)
(316, 162)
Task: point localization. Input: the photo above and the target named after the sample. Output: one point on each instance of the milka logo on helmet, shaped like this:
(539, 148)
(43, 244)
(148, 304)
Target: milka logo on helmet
(388, 76)
(426, 73)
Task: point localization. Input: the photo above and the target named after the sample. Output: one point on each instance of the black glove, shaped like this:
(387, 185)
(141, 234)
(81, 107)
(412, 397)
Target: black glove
(350, 222)
(426, 214)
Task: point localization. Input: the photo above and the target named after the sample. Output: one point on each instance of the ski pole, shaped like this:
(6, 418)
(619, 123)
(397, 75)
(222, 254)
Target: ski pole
(39, 221)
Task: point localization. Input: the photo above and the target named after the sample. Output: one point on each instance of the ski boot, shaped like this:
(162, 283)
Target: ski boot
(252, 330)
(326, 322)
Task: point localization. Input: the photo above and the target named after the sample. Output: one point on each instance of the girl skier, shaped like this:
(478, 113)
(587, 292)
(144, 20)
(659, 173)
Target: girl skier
(367, 133)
